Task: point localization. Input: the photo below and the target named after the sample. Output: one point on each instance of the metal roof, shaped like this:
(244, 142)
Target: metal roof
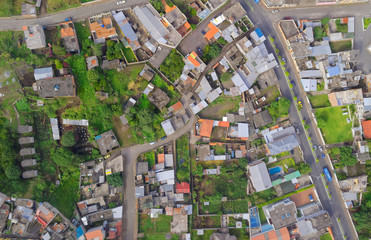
(260, 177)
(41, 73)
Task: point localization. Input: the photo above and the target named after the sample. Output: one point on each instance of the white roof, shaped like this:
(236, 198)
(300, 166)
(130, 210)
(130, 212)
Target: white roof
(165, 175)
(214, 76)
(117, 212)
(42, 73)
(206, 85)
(168, 127)
(309, 85)
(55, 129)
(238, 82)
(367, 101)
(169, 160)
(260, 177)
(243, 130)
(150, 46)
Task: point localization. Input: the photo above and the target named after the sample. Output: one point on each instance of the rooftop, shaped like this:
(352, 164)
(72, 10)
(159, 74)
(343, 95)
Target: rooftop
(159, 98)
(211, 32)
(127, 30)
(56, 87)
(34, 36)
(260, 177)
(107, 142)
(282, 214)
(101, 29)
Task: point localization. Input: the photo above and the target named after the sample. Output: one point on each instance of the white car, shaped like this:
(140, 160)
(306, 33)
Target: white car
(152, 143)
(120, 2)
(275, 11)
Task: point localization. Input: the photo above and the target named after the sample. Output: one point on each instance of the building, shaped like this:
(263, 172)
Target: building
(34, 36)
(28, 163)
(260, 177)
(56, 87)
(45, 214)
(167, 176)
(367, 128)
(282, 234)
(147, 73)
(159, 98)
(281, 214)
(101, 29)
(262, 119)
(183, 187)
(211, 32)
(28, 10)
(24, 129)
(26, 140)
(68, 34)
(352, 96)
(280, 140)
(168, 127)
(110, 65)
(92, 62)
(42, 73)
(151, 21)
(130, 38)
(107, 142)
(55, 128)
(193, 61)
(97, 233)
(206, 127)
(27, 151)
(29, 174)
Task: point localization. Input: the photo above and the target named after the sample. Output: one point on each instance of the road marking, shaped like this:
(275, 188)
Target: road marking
(248, 3)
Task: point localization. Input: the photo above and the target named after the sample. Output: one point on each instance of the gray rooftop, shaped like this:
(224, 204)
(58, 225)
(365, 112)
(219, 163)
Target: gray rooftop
(26, 140)
(56, 87)
(27, 151)
(260, 177)
(142, 168)
(24, 129)
(107, 142)
(262, 118)
(42, 73)
(29, 174)
(283, 144)
(127, 30)
(282, 214)
(28, 162)
(34, 36)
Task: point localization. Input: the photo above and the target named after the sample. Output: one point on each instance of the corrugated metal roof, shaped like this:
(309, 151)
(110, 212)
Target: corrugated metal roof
(42, 73)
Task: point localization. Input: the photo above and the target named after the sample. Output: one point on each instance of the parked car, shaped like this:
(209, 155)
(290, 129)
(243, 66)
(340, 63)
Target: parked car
(199, 50)
(315, 147)
(283, 59)
(275, 11)
(320, 148)
(293, 83)
(311, 197)
(323, 155)
(152, 143)
(297, 130)
(163, 137)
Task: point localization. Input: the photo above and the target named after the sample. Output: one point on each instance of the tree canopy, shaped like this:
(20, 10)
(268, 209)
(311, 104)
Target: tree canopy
(115, 179)
(68, 139)
(279, 108)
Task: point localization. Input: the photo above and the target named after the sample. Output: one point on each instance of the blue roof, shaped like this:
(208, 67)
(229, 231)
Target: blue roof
(79, 232)
(267, 228)
(333, 71)
(256, 1)
(259, 32)
(98, 137)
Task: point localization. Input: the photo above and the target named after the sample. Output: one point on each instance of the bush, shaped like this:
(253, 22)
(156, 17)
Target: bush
(279, 108)
(303, 168)
(68, 139)
(58, 64)
(115, 179)
(173, 66)
(58, 50)
(318, 33)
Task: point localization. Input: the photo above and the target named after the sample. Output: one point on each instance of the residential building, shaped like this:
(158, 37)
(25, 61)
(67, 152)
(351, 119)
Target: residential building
(281, 214)
(26, 140)
(27, 151)
(107, 142)
(130, 38)
(43, 73)
(367, 128)
(29, 174)
(55, 128)
(280, 140)
(97, 233)
(165, 176)
(282, 234)
(352, 96)
(56, 87)
(147, 73)
(34, 36)
(211, 32)
(262, 119)
(92, 62)
(68, 34)
(28, 163)
(183, 187)
(159, 98)
(28, 10)
(24, 129)
(260, 177)
(101, 28)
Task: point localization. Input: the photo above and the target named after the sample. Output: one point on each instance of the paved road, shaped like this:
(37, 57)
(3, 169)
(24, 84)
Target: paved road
(79, 13)
(335, 205)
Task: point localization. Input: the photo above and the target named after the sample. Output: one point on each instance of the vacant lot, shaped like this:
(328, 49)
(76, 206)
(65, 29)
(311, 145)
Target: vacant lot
(129, 55)
(10, 8)
(221, 106)
(319, 101)
(341, 46)
(148, 225)
(335, 120)
(59, 5)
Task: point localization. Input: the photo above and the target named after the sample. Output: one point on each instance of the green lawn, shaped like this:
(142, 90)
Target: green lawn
(262, 217)
(221, 106)
(148, 225)
(319, 101)
(173, 65)
(129, 55)
(289, 162)
(327, 236)
(336, 128)
(341, 46)
(366, 23)
(10, 7)
(60, 5)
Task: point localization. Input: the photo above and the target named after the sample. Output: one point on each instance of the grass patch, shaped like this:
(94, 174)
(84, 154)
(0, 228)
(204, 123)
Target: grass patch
(222, 105)
(148, 225)
(225, 77)
(240, 233)
(335, 120)
(173, 65)
(319, 101)
(219, 207)
(282, 154)
(366, 23)
(262, 217)
(271, 94)
(341, 46)
(206, 236)
(60, 5)
(341, 27)
(129, 55)
(10, 8)
(327, 236)
(285, 163)
(183, 159)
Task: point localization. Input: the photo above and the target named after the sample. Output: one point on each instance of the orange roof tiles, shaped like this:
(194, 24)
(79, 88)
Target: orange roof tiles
(67, 32)
(97, 234)
(161, 158)
(169, 211)
(182, 187)
(223, 124)
(285, 235)
(103, 32)
(24, 28)
(259, 237)
(177, 106)
(177, 211)
(272, 235)
(212, 31)
(206, 127)
(367, 128)
(192, 58)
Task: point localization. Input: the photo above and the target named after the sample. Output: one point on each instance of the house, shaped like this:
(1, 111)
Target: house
(151, 21)
(142, 168)
(206, 127)
(147, 73)
(159, 98)
(97, 233)
(282, 234)
(28, 163)
(130, 38)
(280, 140)
(45, 214)
(130, 103)
(34, 36)
(211, 32)
(27, 151)
(55, 128)
(165, 176)
(169, 160)
(367, 128)
(101, 29)
(107, 142)
(175, 107)
(281, 214)
(262, 119)
(212, 171)
(235, 12)
(357, 184)
(56, 87)
(260, 177)
(168, 127)
(69, 37)
(29, 174)
(193, 61)
(183, 187)
(139, 192)
(110, 65)
(42, 73)
(347, 97)
(115, 165)
(92, 62)
(28, 10)
(24, 129)
(26, 140)
(309, 85)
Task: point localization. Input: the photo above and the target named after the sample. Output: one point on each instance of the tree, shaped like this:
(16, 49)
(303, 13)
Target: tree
(58, 50)
(68, 139)
(279, 108)
(346, 156)
(115, 179)
(63, 157)
(93, 75)
(325, 20)
(58, 64)
(97, 49)
(303, 168)
(321, 123)
(318, 33)
(12, 172)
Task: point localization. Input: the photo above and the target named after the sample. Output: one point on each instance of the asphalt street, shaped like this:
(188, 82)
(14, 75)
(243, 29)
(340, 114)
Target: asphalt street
(335, 206)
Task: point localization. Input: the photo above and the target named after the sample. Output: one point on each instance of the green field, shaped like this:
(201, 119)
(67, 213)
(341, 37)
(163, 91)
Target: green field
(129, 55)
(341, 46)
(221, 106)
(319, 101)
(336, 128)
(10, 8)
(60, 5)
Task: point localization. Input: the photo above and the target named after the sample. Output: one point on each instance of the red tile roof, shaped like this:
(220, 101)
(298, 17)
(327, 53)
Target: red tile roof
(183, 187)
(206, 127)
(192, 58)
(212, 31)
(367, 128)
(177, 106)
(161, 158)
(223, 124)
